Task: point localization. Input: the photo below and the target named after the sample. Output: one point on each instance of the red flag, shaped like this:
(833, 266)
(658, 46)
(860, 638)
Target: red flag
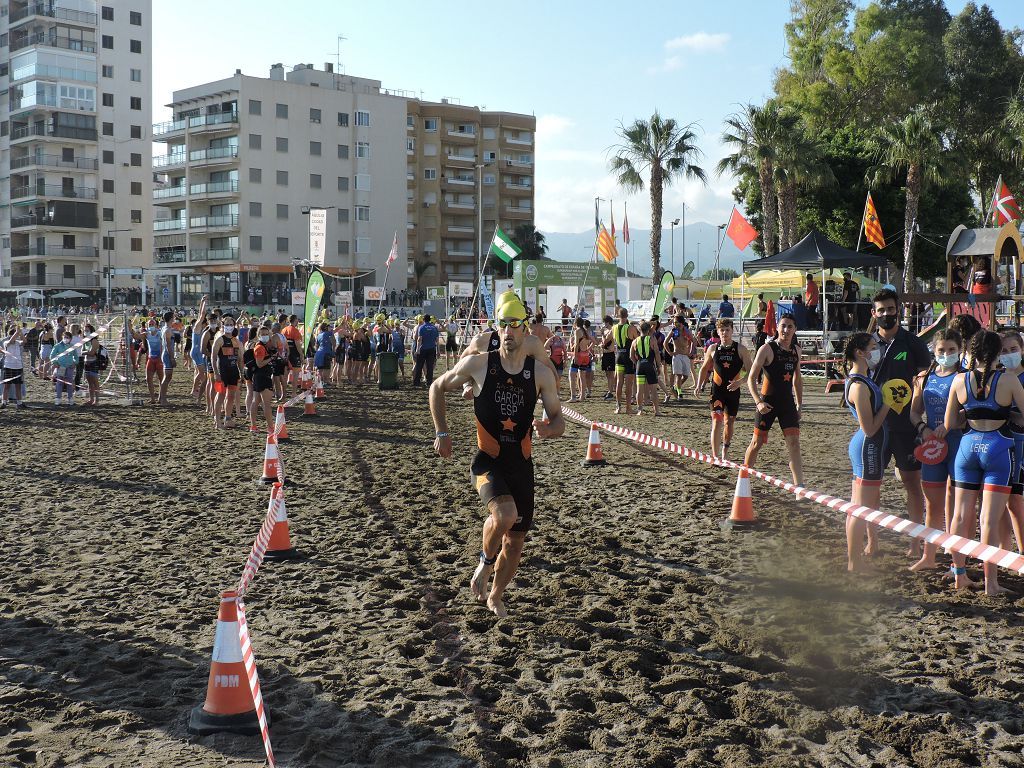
(625, 225)
(394, 249)
(740, 231)
(613, 222)
(1003, 204)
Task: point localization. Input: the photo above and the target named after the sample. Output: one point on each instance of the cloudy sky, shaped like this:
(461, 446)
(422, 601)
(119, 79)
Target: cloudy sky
(580, 67)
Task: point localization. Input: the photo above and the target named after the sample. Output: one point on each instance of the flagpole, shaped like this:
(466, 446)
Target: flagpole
(387, 271)
(480, 279)
(995, 194)
(860, 230)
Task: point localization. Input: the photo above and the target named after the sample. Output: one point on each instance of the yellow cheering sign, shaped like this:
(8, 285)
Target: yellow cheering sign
(896, 394)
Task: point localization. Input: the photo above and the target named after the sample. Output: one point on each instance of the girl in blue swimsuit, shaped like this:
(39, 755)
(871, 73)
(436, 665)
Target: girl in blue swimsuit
(1010, 359)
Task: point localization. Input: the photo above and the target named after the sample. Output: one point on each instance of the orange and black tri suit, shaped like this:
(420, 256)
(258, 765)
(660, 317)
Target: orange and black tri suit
(727, 367)
(504, 425)
(777, 391)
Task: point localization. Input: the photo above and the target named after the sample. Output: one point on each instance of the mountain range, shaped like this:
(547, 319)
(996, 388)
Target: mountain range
(699, 242)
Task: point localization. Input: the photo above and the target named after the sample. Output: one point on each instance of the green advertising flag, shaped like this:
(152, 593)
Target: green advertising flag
(664, 294)
(314, 295)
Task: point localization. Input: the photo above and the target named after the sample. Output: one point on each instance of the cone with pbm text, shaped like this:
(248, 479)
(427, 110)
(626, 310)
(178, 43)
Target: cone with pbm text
(595, 455)
(281, 426)
(742, 515)
(280, 546)
(229, 704)
(272, 469)
(308, 406)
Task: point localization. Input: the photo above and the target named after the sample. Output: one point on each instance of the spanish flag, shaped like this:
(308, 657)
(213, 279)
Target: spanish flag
(872, 227)
(605, 245)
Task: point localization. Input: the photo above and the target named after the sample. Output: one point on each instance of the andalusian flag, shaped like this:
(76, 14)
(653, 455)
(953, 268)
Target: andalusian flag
(872, 226)
(314, 295)
(605, 245)
(503, 247)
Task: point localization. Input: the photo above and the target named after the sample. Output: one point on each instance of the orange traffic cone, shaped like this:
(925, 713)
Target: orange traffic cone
(309, 407)
(281, 426)
(320, 394)
(280, 546)
(742, 515)
(595, 456)
(229, 705)
(271, 462)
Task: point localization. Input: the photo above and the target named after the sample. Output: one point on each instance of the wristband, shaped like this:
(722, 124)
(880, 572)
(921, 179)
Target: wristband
(442, 434)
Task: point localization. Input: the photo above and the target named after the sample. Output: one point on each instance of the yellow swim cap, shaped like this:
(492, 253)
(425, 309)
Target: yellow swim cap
(506, 297)
(511, 309)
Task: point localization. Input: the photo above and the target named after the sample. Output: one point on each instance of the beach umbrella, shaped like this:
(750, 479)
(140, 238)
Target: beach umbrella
(70, 295)
(769, 319)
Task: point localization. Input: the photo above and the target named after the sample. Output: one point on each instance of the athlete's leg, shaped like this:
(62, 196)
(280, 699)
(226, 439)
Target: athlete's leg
(993, 507)
(502, 517)
(505, 570)
(796, 462)
(964, 524)
(865, 493)
(911, 480)
(935, 509)
(756, 441)
(165, 383)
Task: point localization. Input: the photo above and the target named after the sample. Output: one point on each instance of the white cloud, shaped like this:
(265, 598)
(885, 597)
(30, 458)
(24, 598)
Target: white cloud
(698, 42)
(551, 126)
(670, 64)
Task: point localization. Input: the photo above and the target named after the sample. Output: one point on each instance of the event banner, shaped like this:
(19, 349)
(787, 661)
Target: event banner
(459, 290)
(317, 235)
(661, 299)
(437, 293)
(372, 293)
(314, 295)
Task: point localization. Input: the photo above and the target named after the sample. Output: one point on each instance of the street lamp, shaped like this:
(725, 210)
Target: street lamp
(109, 241)
(672, 257)
(480, 218)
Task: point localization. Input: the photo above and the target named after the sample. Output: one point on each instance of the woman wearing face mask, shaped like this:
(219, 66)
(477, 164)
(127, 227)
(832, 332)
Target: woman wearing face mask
(984, 461)
(196, 352)
(64, 360)
(927, 412)
(46, 341)
(1010, 359)
(153, 343)
(262, 370)
(248, 366)
(91, 366)
(869, 447)
(225, 354)
(206, 345)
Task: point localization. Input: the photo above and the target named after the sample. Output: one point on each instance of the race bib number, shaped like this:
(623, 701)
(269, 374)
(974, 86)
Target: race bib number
(896, 394)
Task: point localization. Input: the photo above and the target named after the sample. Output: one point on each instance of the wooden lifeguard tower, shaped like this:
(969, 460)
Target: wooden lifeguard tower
(1002, 250)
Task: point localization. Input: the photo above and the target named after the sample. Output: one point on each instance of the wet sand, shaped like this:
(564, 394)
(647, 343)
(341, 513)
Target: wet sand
(640, 635)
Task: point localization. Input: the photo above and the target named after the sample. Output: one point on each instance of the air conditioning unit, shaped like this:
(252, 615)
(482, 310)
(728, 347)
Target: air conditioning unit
(426, 205)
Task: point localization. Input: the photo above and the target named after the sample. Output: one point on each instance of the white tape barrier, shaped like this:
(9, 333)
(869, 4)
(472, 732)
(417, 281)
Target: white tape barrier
(1004, 558)
(254, 680)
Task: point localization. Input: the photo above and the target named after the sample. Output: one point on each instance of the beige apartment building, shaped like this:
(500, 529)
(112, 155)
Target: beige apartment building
(460, 158)
(75, 157)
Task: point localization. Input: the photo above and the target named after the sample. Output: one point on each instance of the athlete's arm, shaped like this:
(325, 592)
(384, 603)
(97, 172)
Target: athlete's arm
(798, 382)
(705, 369)
(953, 405)
(745, 359)
(761, 359)
(476, 345)
(547, 388)
(467, 370)
(1016, 390)
(214, 350)
(632, 352)
(869, 422)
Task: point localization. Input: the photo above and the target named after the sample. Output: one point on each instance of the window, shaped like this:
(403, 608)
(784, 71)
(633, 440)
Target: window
(362, 245)
(362, 213)
(343, 151)
(282, 211)
(429, 174)
(108, 214)
(363, 118)
(282, 144)
(363, 149)
(107, 71)
(490, 133)
(108, 129)
(137, 241)
(490, 156)
(343, 183)
(282, 178)
(256, 175)
(343, 119)
(108, 99)
(315, 181)
(135, 46)
(314, 115)
(107, 13)
(343, 215)
(136, 216)
(410, 145)
(489, 178)
(136, 159)
(315, 148)
(363, 182)
(343, 247)
(282, 111)
(430, 125)
(255, 243)
(108, 243)
(107, 41)
(256, 210)
(136, 188)
(255, 107)
(282, 245)
(108, 186)
(255, 141)
(430, 150)
(108, 156)
(136, 132)
(410, 121)
(135, 18)
(135, 102)
(136, 75)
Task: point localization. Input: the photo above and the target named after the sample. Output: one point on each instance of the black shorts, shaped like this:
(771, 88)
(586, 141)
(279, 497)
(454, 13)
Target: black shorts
(229, 374)
(293, 358)
(493, 478)
(786, 414)
(902, 445)
(623, 363)
(666, 358)
(279, 367)
(648, 371)
(451, 345)
(608, 362)
(723, 401)
(261, 380)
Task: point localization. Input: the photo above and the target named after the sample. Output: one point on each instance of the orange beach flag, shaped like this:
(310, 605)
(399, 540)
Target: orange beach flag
(739, 230)
(605, 245)
(872, 226)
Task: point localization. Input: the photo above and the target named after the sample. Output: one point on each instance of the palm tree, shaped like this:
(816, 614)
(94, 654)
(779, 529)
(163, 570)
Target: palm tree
(419, 269)
(527, 237)
(755, 134)
(799, 163)
(666, 150)
(913, 147)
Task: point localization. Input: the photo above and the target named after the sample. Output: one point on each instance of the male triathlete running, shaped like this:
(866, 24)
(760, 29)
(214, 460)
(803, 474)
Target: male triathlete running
(724, 361)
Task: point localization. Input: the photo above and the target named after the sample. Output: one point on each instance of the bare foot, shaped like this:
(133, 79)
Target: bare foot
(478, 584)
(870, 550)
(497, 607)
(963, 582)
(926, 563)
(618, 410)
(993, 589)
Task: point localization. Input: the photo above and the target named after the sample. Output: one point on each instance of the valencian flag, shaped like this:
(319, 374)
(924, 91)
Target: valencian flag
(739, 230)
(1003, 205)
(872, 226)
(314, 295)
(503, 247)
(605, 245)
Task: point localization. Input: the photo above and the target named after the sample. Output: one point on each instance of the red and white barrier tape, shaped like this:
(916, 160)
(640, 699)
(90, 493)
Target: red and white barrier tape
(254, 679)
(259, 547)
(970, 547)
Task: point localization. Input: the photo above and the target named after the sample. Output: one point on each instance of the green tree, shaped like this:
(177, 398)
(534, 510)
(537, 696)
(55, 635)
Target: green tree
(722, 273)
(420, 267)
(666, 151)
(530, 240)
(800, 165)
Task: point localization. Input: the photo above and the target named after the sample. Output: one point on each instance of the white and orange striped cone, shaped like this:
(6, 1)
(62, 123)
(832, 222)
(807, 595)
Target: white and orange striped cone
(742, 515)
(308, 406)
(229, 705)
(281, 426)
(595, 455)
(320, 395)
(280, 546)
(272, 467)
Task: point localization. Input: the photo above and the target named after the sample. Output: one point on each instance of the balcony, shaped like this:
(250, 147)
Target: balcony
(460, 254)
(519, 142)
(214, 188)
(519, 188)
(52, 190)
(459, 229)
(459, 206)
(55, 280)
(168, 224)
(43, 9)
(213, 254)
(465, 181)
(213, 155)
(169, 257)
(56, 252)
(209, 122)
(60, 221)
(166, 192)
(169, 127)
(165, 161)
(227, 221)
(463, 136)
(519, 163)
(50, 40)
(516, 212)
(55, 132)
(463, 160)
(55, 161)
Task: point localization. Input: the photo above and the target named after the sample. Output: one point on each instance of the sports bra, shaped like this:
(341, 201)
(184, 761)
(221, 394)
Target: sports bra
(986, 408)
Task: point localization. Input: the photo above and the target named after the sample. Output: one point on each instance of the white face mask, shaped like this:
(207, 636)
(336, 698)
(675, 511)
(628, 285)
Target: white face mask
(228, 328)
(264, 339)
(874, 356)
(948, 361)
(1010, 360)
